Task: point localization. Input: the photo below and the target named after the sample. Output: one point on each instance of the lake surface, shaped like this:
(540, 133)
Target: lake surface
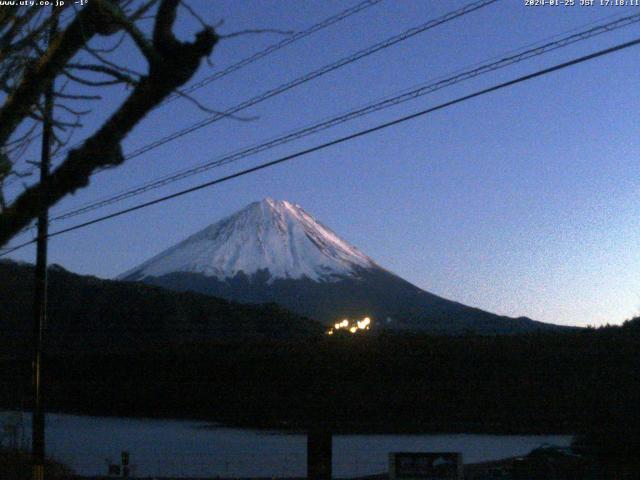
(189, 448)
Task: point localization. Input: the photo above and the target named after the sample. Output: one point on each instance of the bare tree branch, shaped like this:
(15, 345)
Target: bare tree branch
(68, 96)
(143, 44)
(62, 49)
(117, 74)
(206, 109)
(257, 31)
(176, 63)
(113, 47)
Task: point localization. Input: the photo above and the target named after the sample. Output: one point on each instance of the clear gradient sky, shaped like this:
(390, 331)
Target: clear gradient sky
(522, 202)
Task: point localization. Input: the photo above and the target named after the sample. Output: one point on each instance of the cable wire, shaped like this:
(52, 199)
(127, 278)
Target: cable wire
(261, 54)
(275, 47)
(340, 140)
(343, 118)
(469, 8)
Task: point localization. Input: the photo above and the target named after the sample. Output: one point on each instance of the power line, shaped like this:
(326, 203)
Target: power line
(311, 76)
(340, 140)
(469, 8)
(343, 118)
(276, 46)
(263, 53)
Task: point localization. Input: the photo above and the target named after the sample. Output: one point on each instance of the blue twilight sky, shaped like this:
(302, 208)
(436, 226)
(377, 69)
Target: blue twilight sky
(521, 202)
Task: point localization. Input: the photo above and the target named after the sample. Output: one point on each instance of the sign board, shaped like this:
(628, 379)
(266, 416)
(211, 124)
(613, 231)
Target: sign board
(425, 466)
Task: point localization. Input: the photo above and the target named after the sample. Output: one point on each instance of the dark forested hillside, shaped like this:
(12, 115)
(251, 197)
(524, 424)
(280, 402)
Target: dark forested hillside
(86, 313)
(546, 382)
(195, 356)
(393, 302)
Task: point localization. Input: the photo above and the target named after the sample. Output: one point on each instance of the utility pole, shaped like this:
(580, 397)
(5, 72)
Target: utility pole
(40, 290)
(319, 453)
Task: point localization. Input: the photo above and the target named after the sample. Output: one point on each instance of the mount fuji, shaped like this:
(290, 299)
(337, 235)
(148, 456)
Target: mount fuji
(274, 251)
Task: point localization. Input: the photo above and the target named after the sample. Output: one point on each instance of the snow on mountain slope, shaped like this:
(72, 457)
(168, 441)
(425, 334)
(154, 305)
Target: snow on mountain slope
(271, 235)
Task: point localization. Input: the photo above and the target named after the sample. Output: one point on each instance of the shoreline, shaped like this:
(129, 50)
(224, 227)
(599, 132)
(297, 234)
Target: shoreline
(293, 428)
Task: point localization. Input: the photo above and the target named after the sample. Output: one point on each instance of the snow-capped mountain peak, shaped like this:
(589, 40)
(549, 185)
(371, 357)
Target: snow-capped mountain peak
(272, 235)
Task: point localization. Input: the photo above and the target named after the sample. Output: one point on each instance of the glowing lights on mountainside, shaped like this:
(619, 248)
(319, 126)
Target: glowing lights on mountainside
(351, 327)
